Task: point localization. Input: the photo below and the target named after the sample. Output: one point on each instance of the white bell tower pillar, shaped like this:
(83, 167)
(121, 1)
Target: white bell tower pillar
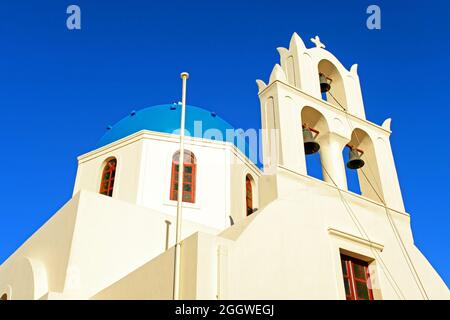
(333, 169)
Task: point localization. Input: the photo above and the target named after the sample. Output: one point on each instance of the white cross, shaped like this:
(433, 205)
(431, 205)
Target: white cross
(316, 41)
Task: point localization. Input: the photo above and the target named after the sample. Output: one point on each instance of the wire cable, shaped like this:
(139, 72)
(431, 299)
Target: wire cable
(405, 253)
(364, 234)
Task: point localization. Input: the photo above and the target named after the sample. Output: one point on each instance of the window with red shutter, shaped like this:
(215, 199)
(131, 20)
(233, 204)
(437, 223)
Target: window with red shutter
(249, 195)
(356, 279)
(108, 176)
(189, 177)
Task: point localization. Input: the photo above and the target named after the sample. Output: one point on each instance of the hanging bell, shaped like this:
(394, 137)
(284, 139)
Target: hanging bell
(324, 83)
(354, 160)
(311, 146)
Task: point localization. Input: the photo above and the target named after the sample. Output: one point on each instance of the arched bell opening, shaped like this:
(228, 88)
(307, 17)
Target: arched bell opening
(351, 170)
(331, 84)
(362, 167)
(314, 126)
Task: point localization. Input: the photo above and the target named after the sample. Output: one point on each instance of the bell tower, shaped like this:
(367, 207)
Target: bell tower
(312, 103)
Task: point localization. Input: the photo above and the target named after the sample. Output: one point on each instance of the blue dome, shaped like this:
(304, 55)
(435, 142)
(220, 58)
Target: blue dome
(166, 118)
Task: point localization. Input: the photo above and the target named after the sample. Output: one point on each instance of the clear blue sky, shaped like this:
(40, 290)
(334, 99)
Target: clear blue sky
(59, 89)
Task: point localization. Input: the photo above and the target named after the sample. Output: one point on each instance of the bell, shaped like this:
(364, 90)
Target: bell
(354, 160)
(311, 146)
(324, 84)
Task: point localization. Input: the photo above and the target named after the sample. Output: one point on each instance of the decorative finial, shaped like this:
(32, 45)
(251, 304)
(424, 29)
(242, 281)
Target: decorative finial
(277, 74)
(317, 42)
(261, 85)
(387, 124)
(297, 43)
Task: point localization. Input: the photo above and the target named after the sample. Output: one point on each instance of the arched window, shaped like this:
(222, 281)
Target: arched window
(249, 195)
(4, 297)
(108, 176)
(189, 177)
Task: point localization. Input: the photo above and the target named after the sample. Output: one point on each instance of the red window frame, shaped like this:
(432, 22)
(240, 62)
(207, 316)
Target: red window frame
(356, 273)
(248, 195)
(189, 177)
(108, 176)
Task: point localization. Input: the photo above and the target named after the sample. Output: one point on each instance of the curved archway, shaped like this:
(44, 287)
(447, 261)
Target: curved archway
(189, 176)
(336, 95)
(315, 120)
(108, 177)
(4, 297)
(368, 177)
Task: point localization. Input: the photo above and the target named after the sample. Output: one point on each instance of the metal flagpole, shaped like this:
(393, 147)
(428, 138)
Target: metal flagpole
(177, 262)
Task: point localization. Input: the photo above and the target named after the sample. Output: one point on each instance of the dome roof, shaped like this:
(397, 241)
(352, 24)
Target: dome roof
(165, 118)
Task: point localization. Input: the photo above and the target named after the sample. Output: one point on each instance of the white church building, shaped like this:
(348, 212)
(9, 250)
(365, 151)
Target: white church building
(248, 233)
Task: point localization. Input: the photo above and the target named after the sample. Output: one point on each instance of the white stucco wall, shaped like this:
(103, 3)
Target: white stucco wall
(291, 250)
(93, 241)
(144, 163)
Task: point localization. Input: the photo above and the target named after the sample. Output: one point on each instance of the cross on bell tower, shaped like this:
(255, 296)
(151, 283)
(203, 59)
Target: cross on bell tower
(317, 42)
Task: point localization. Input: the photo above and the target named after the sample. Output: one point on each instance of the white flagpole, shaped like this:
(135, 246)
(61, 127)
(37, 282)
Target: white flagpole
(176, 283)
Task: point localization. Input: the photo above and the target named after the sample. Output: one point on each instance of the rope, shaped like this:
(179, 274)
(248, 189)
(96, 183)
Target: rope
(391, 221)
(364, 234)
